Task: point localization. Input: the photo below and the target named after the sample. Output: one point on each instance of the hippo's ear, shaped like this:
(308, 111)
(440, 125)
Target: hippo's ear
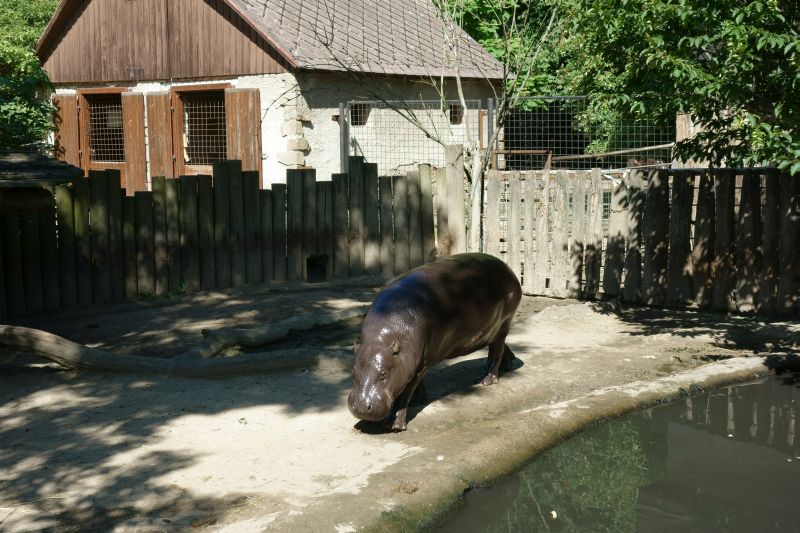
(395, 347)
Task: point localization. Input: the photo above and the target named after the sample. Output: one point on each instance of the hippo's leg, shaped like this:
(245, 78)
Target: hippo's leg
(402, 402)
(499, 355)
(420, 395)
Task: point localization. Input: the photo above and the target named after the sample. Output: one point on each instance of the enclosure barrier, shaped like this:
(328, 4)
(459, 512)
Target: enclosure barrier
(723, 239)
(95, 245)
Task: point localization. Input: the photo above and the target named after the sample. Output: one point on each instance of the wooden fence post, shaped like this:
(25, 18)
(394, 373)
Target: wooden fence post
(770, 239)
(252, 223)
(325, 224)
(236, 235)
(387, 227)
(748, 233)
(309, 210)
(294, 239)
(66, 245)
(12, 254)
(190, 252)
(101, 258)
(341, 263)
(145, 246)
(457, 228)
(541, 277)
(280, 259)
(400, 215)
(530, 193)
(114, 198)
(491, 232)
(679, 281)
(416, 250)
(356, 208)
(558, 242)
(205, 226)
(267, 243)
(173, 212)
(594, 238)
(615, 247)
(656, 238)
(632, 288)
(159, 186)
(129, 246)
(704, 242)
(32, 261)
(49, 245)
(724, 260)
(428, 230)
(222, 245)
(372, 241)
(790, 242)
(578, 236)
(513, 258)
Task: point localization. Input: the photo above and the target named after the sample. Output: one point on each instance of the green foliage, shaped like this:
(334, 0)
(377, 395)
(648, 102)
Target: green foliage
(25, 112)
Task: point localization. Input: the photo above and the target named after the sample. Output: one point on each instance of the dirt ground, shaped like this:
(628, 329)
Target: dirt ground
(281, 452)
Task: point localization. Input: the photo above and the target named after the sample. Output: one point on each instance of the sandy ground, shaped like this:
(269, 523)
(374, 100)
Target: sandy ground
(281, 452)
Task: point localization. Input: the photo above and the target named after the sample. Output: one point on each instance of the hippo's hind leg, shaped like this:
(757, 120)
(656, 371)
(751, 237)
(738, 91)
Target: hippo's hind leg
(500, 358)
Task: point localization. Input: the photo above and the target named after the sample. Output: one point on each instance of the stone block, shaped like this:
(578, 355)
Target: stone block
(298, 143)
(292, 158)
(291, 127)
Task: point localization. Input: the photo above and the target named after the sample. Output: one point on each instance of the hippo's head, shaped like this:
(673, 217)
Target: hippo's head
(380, 373)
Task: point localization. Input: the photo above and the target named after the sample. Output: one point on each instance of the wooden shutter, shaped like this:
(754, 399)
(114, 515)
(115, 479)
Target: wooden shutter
(135, 159)
(243, 123)
(159, 134)
(67, 130)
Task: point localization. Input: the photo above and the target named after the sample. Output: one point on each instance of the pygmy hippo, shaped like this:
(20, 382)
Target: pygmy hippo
(441, 310)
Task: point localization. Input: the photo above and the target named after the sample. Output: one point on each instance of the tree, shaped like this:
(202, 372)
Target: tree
(25, 112)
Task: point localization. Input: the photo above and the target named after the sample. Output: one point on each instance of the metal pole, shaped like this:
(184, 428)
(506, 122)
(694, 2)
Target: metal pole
(344, 137)
(490, 131)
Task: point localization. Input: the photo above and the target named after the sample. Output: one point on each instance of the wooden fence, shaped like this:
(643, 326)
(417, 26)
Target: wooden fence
(723, 239)
(95, 245)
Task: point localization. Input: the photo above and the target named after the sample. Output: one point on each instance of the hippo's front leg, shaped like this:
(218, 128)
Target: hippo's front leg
(403, 401)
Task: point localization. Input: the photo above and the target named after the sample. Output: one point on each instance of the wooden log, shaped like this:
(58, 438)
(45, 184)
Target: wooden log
(13, 264)
(114, 184)
(325, 244)
(31, 261)
(402, 261)
(356, 207)
(748, 243)
(279, 250)
(387, 227)
(790, 245)
(724, 242)
(267, 243)
(770, 246)
(222, 245)
(558, 243)
(530, 193)
(205, 226)
(594, 237)
(541, 273)
(416, 248)
(252, 225)
(159, 187)
(426, 214)
(101, 256)
(578, 235)
(703, 248)
(236, 218)
(615, 247)
(51, 293)
(190, 250)
(83, 244)
(492, 232)
(513, 232)
(679, 282)
(65, 212)
(656, 239)
(632, 288)
(309, 214)
(341, 253)
(173, 212)
(294, 194)
(145, 243)
(129, 253)
(372, 237)
(457, 227)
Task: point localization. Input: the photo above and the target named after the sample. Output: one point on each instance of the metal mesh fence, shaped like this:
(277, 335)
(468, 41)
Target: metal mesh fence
(563, 132)
(106, 137)
(204, 129)
(398, 136)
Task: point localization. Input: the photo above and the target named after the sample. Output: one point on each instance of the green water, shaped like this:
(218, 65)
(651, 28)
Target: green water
(725, 461)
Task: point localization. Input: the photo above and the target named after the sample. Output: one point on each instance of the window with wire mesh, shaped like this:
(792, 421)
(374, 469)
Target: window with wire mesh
(204, 129)
(359, 113)
(106, 135)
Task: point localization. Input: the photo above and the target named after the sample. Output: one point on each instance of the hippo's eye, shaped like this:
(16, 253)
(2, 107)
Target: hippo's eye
(382, 376)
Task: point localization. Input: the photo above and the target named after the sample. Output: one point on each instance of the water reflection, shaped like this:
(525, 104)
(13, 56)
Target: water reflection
(724, 461)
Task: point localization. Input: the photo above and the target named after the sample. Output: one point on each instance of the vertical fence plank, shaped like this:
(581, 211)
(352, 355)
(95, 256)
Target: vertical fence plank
(222, 248)
(615, 247)
(294, 194)
(748, 242)
(190, 251)
(173, 212)
(426, 214)
(790, 245)
(372, 238)
(656, 239)
(309, 210)
(12, 255)
(491, 233)
(66, 245)
(400, 215)
(101, 257)
(703, 249)
(541, 273)
(724, 260)
(205, 222)
(457, 227)
(3, 300)
(578, 236)
(279, 231)
(236, 214)
(679, 281)
(441, 223)
(770, 241)
(114, 183)
(325, 225)
(513, 239)
(594, 236)
(267, 244)
(356, 205)
(129, 247)
(416, 249)
(558, 243)
(49, 245)
(160, 234)
(530, 192)
(632, 288)
(145, 244)
(252, 226)
(341, 255)
(83, 243)
(387, 227)
(31, 260)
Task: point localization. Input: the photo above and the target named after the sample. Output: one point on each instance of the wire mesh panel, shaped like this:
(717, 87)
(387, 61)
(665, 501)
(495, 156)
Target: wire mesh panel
(398, 136)
(562, 130)
(204, 129)
(106, 136)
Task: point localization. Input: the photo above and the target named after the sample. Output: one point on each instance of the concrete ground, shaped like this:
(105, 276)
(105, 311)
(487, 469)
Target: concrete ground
(281, 452)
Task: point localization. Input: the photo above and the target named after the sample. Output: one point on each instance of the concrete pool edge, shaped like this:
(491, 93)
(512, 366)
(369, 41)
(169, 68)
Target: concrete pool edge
(520, 437)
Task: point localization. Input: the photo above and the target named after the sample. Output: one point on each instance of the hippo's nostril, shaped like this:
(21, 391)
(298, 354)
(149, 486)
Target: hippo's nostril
(369, 406)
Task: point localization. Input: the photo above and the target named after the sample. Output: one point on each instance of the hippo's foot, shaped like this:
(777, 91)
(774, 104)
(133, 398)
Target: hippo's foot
(395, 422)
(490, 379)
(398, 425)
